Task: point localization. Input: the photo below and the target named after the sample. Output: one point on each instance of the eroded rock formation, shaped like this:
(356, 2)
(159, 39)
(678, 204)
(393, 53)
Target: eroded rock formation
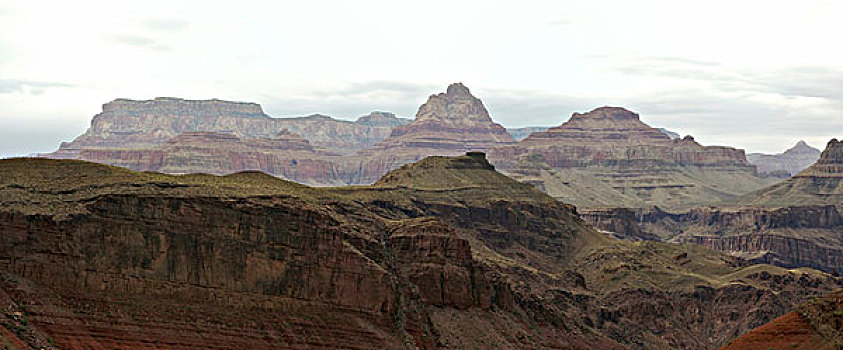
(609, 158)
(443, 253)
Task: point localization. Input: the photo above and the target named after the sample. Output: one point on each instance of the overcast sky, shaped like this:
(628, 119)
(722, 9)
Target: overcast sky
(757, 75)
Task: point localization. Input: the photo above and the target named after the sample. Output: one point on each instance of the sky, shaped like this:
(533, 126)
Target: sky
(757, 75)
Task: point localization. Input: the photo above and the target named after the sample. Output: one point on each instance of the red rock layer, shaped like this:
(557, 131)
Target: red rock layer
(815, 325)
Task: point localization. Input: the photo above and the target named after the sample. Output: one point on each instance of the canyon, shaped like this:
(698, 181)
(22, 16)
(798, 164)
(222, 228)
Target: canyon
(794, 223)
(442, 253)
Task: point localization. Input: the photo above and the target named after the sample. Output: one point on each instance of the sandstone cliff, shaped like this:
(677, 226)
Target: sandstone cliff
(443, 253)
(609, 158)
(787, 163)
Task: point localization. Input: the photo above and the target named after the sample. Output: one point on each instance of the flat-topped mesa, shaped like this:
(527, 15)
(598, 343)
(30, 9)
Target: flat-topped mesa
(178, 105)
(471, 171)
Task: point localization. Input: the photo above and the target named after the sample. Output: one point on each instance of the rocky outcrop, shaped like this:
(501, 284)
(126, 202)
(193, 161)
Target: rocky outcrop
(615, 159)
(787, 163)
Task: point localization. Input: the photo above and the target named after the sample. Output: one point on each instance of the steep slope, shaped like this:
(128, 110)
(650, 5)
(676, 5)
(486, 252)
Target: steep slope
(443, 253)
(816, 325)
(819, 184)
(448, 124)
(617, 160)
(787, 163)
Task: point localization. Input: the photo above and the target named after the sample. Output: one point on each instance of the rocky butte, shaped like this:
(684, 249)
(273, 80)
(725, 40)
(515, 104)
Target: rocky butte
(787, 163)
(609, 158)
(444, 253)
(449, 123)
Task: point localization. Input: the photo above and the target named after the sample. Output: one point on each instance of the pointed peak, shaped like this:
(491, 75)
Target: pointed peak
(801, 147)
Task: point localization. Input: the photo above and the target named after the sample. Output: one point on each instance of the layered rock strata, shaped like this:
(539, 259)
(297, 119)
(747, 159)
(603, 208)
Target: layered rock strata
(130, 124)
(442, 253)
(448, 124)
(612, 159)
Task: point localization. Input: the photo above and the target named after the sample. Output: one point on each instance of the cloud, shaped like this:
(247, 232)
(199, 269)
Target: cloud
(168, 25)
(140, 41)
(11, 86)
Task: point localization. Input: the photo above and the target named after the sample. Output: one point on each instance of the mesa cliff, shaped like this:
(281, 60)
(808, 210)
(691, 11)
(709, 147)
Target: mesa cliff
(130, 124)
(442, 253)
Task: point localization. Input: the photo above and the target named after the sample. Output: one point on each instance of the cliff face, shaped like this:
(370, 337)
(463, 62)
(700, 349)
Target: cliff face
(614, 159)
(129, 124)
(787, 163)
(444, 253)
(795, 236)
